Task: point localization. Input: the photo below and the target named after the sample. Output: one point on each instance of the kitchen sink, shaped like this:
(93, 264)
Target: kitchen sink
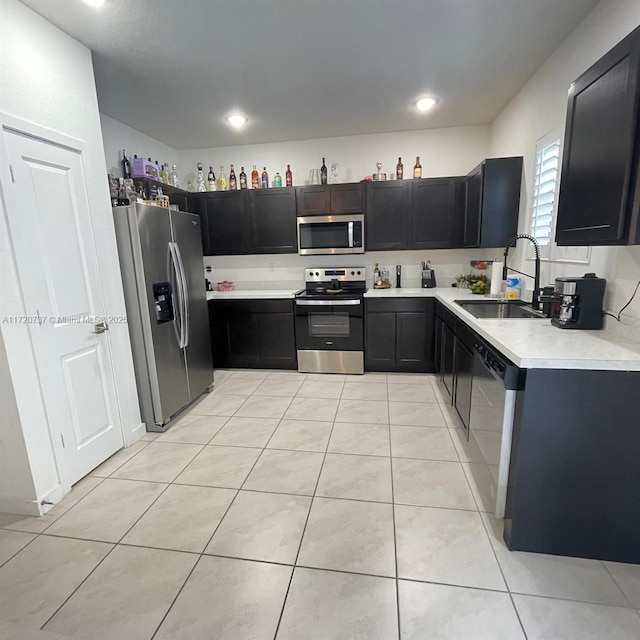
(499, 309)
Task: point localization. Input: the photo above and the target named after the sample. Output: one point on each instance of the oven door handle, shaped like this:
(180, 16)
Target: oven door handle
(327, 303)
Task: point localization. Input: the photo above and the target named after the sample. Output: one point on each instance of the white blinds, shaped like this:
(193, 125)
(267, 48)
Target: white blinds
(545, 188)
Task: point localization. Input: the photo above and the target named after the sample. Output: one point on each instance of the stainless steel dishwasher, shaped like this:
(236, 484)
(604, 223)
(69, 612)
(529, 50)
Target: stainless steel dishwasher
(495, 385)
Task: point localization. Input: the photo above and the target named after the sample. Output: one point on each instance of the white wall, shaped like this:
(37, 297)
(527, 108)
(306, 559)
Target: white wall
(47, 78)
(118, 136)
(538, 108)
(443, 152)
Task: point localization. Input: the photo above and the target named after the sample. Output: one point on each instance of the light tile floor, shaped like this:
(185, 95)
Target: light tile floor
(299, 506)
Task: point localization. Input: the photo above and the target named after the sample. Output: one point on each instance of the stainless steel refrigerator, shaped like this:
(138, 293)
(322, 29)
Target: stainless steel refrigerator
(160, 254)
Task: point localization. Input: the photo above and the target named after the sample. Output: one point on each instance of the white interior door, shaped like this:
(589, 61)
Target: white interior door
(57, 257)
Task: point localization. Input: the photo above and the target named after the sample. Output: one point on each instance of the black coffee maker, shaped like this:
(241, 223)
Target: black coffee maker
(581, 302)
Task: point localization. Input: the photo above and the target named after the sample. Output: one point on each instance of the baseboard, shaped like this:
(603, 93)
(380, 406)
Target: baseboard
(135, 434)
(19, 506)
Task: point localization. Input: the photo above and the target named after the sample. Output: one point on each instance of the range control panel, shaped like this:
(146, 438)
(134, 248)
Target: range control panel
(346, 274)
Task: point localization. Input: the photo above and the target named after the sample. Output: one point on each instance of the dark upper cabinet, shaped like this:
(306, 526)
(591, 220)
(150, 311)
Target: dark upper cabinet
(249, 222)
(399, 334)
(433, 203)
(599, 197)
(491, 192)
(227, 223)
(314, 200)
(326, 199)
(347, 198)
(388, 216)
(272, 214)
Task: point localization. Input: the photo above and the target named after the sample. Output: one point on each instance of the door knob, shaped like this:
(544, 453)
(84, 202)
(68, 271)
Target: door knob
(101, 327)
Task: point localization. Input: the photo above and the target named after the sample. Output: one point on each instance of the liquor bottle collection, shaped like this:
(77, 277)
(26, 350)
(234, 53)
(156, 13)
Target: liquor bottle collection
(134, 169)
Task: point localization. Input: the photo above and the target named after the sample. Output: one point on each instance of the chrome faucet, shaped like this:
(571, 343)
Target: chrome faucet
(535, 300)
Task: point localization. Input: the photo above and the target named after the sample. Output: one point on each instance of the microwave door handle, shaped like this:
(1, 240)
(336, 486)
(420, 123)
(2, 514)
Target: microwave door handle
(350, 231)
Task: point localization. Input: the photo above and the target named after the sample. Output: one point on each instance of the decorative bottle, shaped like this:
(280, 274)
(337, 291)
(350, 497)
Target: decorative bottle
(200, 179)
(243, 178)
(417, 169)
(222, 180)
(211, 180)
(288, 177)
(399, 169)
(323, 173)
(174, 177)
(265, 178)
(255, 179)
(233, 182)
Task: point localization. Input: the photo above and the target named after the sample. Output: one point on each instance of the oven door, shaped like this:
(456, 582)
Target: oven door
(329, 325)
(330, 234)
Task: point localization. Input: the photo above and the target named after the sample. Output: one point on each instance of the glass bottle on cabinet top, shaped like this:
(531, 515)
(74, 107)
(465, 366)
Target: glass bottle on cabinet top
(211, 180)
(126, 165)
(399, 170)
(288, 177)
(233, 182)
(174, 177)
(323, 173)
(277, 180)
(255, 178)
(200, 178)
(243, 178)
(265, 178)
(222, 180)
(417, 169)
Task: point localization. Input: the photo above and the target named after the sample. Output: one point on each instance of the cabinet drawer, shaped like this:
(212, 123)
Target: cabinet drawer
(398, 304)
(255, 306)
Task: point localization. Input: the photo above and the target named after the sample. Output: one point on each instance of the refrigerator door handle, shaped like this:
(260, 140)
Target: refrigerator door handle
(185, 297)
(179, 294)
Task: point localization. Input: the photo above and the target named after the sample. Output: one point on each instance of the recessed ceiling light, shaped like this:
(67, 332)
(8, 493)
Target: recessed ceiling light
(424, 104)
(237, 121)
(94, 3)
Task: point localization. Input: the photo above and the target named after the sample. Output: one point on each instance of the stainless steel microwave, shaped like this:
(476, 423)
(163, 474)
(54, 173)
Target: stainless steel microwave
(337, 234)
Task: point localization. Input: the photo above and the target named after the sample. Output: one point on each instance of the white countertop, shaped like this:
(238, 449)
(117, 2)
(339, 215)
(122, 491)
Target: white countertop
(535, 343)
(252, 294)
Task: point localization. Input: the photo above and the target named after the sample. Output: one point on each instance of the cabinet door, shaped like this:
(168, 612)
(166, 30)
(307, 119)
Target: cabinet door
(314, 200)
(464, 375)
(276, 338)
(411, 341)
(472, 208)
(347, 198)
(380, 341)
(599, 149)
(432, 213)
(227, 223)
(239, 338)
(437, 347)
(273, 220)
(387, 216)
(448, 354)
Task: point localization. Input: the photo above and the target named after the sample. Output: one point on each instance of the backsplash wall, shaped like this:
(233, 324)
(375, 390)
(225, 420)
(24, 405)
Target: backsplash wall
(287, 271)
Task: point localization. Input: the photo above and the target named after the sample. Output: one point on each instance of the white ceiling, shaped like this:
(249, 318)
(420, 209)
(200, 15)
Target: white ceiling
(309, 68)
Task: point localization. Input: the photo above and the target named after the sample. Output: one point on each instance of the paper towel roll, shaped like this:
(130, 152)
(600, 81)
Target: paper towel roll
(496, 278)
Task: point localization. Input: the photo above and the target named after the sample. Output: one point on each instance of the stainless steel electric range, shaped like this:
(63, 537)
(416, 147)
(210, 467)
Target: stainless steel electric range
(330, 321)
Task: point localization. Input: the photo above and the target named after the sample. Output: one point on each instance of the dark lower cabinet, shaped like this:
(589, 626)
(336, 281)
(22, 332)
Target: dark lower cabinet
(253, 334)
(463, 368)
(399, 334)
(448, 359)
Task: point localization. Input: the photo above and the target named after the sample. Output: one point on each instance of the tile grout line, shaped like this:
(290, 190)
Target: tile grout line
(624, 593)
(306, 522)
(393, 516)
(504, 578)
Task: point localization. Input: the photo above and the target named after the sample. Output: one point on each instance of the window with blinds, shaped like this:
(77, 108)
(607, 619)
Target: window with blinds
(545, 189)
